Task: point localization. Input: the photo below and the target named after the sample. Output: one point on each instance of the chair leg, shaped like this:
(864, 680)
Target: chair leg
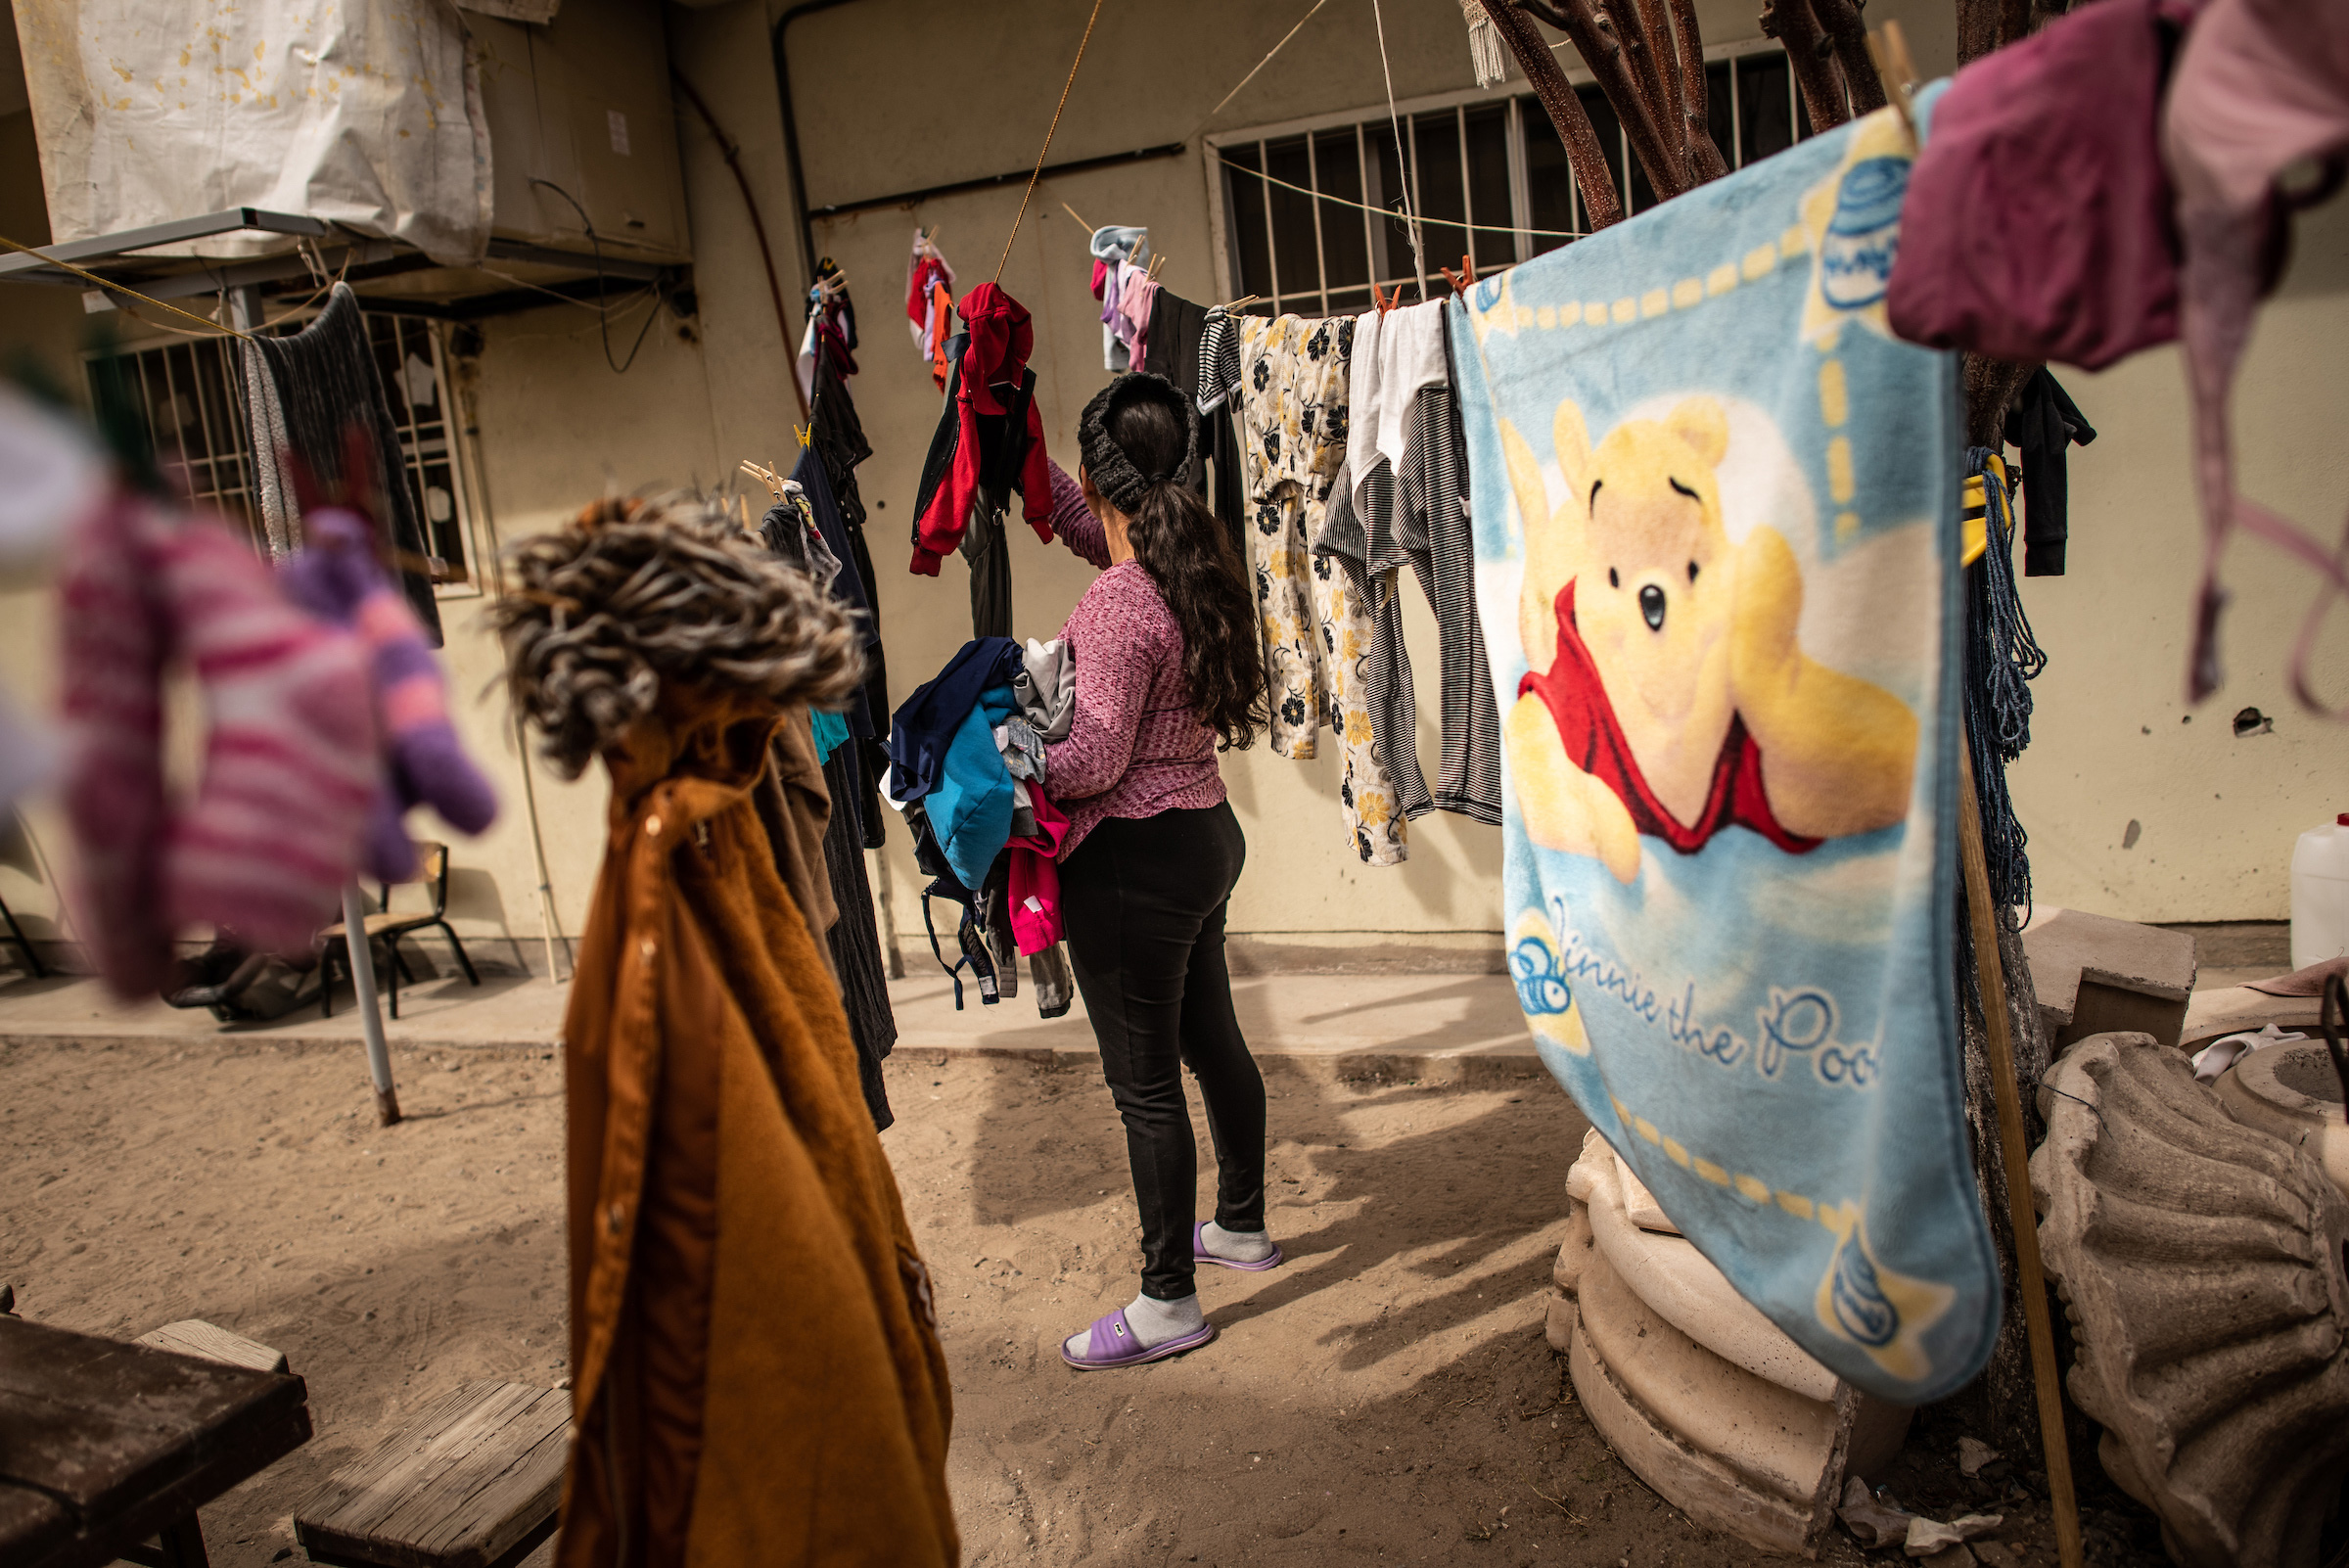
(326, 981)
(463, 962)
(32, 960)
(395, 966)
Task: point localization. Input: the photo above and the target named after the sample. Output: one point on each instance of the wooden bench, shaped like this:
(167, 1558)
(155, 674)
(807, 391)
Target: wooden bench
(471, 1482)
(192, 1336)
(104, 1446)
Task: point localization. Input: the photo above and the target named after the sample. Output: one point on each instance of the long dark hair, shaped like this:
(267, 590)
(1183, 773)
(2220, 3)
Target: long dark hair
(1189, 555)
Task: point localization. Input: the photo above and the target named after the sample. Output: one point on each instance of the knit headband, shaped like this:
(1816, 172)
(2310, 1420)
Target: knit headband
(1113, 472)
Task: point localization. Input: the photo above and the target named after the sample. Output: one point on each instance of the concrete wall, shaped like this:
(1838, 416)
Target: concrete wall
(555, 427)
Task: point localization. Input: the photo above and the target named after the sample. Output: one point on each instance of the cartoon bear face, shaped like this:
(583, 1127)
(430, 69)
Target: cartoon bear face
(1639, 535)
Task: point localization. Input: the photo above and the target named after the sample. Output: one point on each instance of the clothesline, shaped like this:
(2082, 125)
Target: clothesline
(1363, 206)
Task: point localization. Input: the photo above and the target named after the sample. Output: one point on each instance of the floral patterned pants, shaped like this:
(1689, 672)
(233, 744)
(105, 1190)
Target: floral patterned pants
(1316, 633)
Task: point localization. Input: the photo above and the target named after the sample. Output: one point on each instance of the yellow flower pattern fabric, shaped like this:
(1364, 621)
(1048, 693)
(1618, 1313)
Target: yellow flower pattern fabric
(1293, 375)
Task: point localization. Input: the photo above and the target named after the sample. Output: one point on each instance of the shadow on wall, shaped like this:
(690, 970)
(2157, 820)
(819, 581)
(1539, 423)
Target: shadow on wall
(473, 895)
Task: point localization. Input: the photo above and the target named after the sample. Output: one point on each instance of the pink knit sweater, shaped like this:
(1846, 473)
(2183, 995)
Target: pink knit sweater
(1134, 747)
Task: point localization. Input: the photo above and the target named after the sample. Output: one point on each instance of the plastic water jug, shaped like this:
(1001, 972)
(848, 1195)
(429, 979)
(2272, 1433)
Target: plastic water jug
(2320, 893)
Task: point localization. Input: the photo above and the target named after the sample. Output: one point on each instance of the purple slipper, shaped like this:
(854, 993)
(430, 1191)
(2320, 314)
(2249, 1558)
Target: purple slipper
(1200, 1254)
(1113, 1345)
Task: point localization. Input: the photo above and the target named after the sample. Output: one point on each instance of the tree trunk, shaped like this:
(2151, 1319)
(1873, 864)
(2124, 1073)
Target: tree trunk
(1705, 162)
(1600, 41)
(1565, 110)
(2003, 1403)
(1810, 53)
(1840, 20)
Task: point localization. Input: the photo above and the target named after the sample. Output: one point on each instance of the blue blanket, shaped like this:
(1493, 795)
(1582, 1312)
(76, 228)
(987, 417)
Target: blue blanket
(1721, 604)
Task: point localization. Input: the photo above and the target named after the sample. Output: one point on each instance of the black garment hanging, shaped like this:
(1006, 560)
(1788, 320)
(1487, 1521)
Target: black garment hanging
(328, 382)
(1172, 351)
(1003, 449)
(837, 436)
(855, 937)
(2042, 422)
(850, 587)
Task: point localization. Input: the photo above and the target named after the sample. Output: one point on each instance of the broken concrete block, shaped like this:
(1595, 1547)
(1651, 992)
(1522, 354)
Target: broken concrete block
(1929, 1536)
(2202, 1261)
(2093, 973)
(1557, 1322)
(2292, 1092)
(1707, 1399)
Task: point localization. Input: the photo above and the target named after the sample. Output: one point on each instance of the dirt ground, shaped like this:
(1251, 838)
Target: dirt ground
(1385, 1396)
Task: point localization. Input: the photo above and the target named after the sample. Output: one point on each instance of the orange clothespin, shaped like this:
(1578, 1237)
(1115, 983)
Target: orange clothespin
(1463, 279)
(1383, 303)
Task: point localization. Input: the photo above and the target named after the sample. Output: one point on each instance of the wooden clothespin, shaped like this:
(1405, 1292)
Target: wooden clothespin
(1234, 304)
(766, 476)
(1890, 50)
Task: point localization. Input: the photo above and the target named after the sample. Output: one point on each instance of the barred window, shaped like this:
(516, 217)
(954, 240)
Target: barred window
(191, 395)
(1488, 172)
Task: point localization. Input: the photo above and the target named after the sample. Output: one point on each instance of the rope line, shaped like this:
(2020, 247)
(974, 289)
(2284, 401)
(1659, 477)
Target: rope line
(66, 266)
(1411, 203)
(1383, 212)
(1260, 65)
(1030, 192)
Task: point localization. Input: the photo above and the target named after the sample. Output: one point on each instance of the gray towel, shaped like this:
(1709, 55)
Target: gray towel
(1046, 688)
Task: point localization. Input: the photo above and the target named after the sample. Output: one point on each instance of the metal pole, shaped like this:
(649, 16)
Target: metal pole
(371, 1018)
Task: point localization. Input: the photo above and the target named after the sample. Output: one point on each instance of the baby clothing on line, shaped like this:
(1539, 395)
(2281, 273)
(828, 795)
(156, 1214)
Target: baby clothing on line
(1317, 632)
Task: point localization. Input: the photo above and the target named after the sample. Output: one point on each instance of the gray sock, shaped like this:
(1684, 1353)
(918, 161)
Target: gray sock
(1153, 1322)
(1240, 1246)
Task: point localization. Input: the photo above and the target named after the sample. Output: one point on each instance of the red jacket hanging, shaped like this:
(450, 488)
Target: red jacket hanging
(991, 433)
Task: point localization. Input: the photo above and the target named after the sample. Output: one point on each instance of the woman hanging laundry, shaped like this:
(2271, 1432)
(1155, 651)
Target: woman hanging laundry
(1169, 667)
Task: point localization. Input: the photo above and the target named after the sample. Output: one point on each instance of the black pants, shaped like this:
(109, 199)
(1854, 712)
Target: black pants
(1143, 902)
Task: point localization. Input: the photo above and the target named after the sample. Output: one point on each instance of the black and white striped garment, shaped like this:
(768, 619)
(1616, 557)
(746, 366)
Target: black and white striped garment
(1218, 359)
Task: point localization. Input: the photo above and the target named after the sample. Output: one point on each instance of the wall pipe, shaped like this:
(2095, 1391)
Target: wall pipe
(791, 130)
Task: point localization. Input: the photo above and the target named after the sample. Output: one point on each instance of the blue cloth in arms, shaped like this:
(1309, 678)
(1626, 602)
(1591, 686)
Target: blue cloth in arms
(970, 805)
(1720, 601)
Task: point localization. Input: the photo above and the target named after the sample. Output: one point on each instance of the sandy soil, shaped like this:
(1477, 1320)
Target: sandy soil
(1385, 1396)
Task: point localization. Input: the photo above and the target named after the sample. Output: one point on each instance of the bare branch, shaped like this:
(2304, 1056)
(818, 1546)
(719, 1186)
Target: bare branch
(1986, 25)
(1841, 20)
(1705, 162)
(1665, 85)
(1565, 110)
(1811, 55)
(1597, 41)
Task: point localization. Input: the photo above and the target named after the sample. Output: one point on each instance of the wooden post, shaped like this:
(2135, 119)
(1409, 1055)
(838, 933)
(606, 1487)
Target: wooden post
(2016, 1154)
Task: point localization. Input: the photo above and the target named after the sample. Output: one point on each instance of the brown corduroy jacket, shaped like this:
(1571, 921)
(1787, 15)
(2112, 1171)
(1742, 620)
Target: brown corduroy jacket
(757, 1374)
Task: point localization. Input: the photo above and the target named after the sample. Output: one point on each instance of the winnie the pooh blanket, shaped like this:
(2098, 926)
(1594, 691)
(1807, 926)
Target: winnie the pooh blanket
(1720, 600)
